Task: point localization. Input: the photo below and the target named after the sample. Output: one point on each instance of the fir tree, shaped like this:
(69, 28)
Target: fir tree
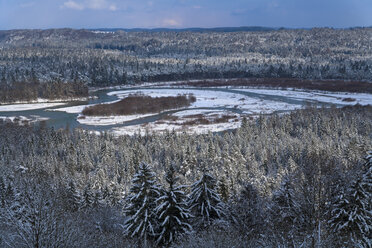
(2, 192)
(172, 211)
(351, 217)
(87, 198)
(285, 210)
(98, 200)
(73, 197)
(141, 204)
(247, 211)
(204, 200)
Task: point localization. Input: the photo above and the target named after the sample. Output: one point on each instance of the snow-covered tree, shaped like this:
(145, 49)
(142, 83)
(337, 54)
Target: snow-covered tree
(141, 204)
(351, 217)
(2, 192)
(73, 197)
(98, 199)
(87, 197)
(285, 210)
(172, 211)
(204, 200)
(247, 211)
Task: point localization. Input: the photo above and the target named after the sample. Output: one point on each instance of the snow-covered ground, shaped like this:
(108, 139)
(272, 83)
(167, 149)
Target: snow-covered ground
(71, 110)
(216, 99)
(329, 97)
(180, 120)
(28, 106)
(42, 100)
(154, 127)
(22, 119)
(108, 120)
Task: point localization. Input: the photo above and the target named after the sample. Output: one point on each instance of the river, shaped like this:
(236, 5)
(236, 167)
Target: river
(59, 119)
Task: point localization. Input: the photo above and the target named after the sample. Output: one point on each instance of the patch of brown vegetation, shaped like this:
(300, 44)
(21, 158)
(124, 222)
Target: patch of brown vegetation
(349, 99)
(202, 120)
(140, 104)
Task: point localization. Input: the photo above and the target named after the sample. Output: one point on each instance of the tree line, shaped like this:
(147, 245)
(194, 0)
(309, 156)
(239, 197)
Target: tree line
(26, 91)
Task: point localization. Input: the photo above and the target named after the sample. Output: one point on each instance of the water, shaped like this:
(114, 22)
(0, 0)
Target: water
(59, 119)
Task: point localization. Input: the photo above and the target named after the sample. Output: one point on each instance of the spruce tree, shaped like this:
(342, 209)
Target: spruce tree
(87, 198)
(2, 192)
(351, 217)
(204, 201)
(172, 211)
(73, 197)
(285, 210)
(98, 200)
(141, 204)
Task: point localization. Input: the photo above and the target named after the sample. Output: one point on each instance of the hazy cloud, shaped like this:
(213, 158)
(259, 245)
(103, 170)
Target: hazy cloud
(90, 4)
(72, 5)
(171, 23)
(27, 5)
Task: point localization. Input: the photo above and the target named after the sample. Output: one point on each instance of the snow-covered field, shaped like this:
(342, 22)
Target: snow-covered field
(22, 119)
(71, 110)
(28, 106)
(329, 97)
(108, 120)
(154, 127)
(216, 99)
(42, 100)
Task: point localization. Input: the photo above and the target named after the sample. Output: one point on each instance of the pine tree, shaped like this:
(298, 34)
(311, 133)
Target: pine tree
(285, 210)
(205, 201)
(87, 198)
(98, 200)
(247, 211)
(73, 197)
(2, 192)
(141, 204)
(351, 217)
(172, 211)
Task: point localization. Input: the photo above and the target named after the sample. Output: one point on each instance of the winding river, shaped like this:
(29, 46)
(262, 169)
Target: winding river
(58, 119)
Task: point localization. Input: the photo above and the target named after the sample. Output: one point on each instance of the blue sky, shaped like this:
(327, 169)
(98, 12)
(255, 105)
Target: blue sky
(183, 13)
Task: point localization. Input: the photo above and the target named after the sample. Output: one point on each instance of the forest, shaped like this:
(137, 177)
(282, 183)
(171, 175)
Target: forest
(103, 58)
(303, 179)
(32, 91)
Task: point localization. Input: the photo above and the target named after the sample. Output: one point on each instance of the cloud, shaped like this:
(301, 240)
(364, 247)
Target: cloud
(196, 7)
(27, 5)
(73, 5)
(171, 22)
(90, 4)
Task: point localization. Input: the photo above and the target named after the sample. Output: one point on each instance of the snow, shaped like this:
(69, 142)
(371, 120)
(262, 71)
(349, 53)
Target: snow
(153, 127)
(43, 100)
(71, 110)
(23, 119)
(77, 109)
(108, 120)
(29, 106)
(199, 112)
(216, 99)
(206, 100)
(329, 97)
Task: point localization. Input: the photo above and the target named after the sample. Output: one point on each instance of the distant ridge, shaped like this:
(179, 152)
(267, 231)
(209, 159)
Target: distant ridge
(201, 30)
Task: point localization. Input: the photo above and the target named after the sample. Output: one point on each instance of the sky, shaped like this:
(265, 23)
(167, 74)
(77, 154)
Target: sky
(43, 14)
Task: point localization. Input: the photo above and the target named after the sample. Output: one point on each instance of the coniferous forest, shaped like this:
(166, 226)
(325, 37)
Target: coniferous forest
(301, 179)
